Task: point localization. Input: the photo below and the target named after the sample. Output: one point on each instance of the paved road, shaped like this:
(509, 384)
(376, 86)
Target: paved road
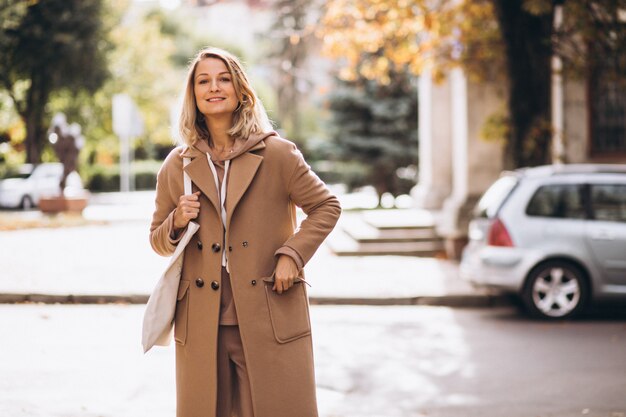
(86, 361)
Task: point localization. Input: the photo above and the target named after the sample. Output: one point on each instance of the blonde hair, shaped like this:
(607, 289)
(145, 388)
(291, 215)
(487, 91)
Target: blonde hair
(249, 116)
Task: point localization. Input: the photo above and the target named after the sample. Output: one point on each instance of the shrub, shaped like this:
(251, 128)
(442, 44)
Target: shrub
(353, 174)
(106, 178)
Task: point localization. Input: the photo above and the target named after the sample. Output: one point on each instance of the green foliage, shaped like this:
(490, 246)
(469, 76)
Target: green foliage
(291, 38)
(144, 54)
(187, 42)
(376, 126)
(353, 174)
(497, 127)
(46, 46)
(63, 41)
(140, 68)
(106, 178)
(7, 168)
(150, 68)
(538, 7)
(593, 37)
(509, 41)
(11, 128)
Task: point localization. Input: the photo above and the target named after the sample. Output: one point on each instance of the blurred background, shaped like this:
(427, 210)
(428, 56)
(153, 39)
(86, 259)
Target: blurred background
(500, 85)
(478, 149)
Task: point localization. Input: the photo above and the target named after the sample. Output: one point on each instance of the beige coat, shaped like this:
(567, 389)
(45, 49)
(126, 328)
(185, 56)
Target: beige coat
(265, 185)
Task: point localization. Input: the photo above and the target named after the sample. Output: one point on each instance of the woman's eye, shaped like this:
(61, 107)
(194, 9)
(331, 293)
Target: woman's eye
(225, 79)
(202, 82)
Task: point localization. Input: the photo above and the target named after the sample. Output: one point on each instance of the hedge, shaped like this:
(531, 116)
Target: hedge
(104, 178)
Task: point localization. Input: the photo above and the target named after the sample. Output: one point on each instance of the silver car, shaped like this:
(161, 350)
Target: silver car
(35, 181)
(556, 235)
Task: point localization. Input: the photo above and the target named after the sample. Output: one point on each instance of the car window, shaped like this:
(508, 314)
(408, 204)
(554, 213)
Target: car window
(15, 175)
(22, 171)
(608, 202)
(490, 202)
(563, 201)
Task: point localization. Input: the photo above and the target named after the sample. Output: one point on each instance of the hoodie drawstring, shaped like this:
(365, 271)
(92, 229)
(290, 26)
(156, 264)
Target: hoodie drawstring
(222, 196)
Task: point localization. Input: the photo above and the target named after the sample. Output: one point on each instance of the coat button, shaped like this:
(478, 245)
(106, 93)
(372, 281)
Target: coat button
(230, 248)
(254, 282)
(215, 285)
(244, 244)
(199, 283)
(216, 247)
(199, 245)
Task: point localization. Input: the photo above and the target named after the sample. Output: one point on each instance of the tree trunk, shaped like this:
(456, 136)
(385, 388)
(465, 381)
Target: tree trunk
(528, 47)
(33, 118)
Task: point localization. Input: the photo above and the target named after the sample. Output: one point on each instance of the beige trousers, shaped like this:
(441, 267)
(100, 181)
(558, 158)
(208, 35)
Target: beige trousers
(234, 398)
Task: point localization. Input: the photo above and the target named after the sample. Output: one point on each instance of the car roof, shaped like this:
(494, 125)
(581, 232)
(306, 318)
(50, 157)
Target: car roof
(569, 169)
(48, 165)
(25, 169)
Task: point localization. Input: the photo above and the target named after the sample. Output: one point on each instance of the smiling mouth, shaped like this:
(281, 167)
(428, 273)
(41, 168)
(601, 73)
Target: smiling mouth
(212, 100)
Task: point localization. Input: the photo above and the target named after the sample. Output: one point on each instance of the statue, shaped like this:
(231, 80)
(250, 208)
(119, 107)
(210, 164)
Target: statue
(67, 141)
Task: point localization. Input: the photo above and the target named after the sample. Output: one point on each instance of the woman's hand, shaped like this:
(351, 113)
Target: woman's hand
(187, 209)
(285, 274)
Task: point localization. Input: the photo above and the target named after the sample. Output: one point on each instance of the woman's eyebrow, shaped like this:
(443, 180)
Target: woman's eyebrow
(204, 73)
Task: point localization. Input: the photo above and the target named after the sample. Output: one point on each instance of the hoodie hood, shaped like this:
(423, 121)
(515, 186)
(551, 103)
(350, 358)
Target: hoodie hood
(241, 145)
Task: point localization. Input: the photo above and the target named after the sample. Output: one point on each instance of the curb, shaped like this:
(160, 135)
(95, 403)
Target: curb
(10, 298)
(457, 300)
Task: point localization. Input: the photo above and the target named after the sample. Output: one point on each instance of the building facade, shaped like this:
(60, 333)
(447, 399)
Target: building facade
(457, 165)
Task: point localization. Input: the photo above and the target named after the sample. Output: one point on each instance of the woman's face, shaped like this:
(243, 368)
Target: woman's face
(214, 89)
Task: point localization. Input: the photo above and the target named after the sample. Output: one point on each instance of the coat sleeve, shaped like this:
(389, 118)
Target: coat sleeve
(162, 237)
(321, 207)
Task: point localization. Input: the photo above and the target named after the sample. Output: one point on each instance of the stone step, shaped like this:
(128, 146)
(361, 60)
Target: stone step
(392, 235)
(405, 219)
(401, 232)
(361, 230)
(426, 249)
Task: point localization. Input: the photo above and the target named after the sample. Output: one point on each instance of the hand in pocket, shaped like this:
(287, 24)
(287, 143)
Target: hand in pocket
(286, 274)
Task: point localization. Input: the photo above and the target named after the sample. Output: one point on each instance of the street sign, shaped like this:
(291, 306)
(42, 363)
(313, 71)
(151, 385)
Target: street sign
(127, 124)
(127, 120)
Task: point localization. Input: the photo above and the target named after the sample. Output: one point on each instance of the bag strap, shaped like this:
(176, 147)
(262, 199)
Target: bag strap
(186, 179)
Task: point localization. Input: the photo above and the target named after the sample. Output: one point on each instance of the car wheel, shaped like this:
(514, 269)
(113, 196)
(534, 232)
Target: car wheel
(27, 203)
(555, 290)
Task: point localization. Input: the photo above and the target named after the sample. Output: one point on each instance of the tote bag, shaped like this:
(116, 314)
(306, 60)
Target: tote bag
(158, 319)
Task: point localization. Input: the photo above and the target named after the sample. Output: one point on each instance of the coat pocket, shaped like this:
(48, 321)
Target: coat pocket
(182, 313)
(289, 311)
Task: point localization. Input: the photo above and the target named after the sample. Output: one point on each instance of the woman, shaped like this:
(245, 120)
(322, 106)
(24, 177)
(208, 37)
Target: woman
(242, 330)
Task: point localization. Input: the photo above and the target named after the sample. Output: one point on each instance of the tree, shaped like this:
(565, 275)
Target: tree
(292, 35)
(141, 68)
(528, 47)
(150, 50)
(592, 37)
(376, 125)
(393, 34)
(46, 46)
(476, 34)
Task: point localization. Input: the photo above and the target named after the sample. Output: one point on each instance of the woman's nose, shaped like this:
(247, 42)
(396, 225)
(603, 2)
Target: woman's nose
(214, 85)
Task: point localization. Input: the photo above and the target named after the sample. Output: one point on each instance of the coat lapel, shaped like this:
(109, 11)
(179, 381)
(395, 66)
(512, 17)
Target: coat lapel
(201, 175)
(241, 172)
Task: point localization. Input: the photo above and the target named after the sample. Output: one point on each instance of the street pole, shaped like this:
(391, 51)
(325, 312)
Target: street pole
(125, 163)
(558, 124)
(127, 124)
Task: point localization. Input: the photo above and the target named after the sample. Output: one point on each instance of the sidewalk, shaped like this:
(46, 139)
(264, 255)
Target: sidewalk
(113, 262)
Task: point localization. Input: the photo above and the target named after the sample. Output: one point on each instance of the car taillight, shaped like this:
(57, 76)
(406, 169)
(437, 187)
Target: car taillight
(498, 235)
